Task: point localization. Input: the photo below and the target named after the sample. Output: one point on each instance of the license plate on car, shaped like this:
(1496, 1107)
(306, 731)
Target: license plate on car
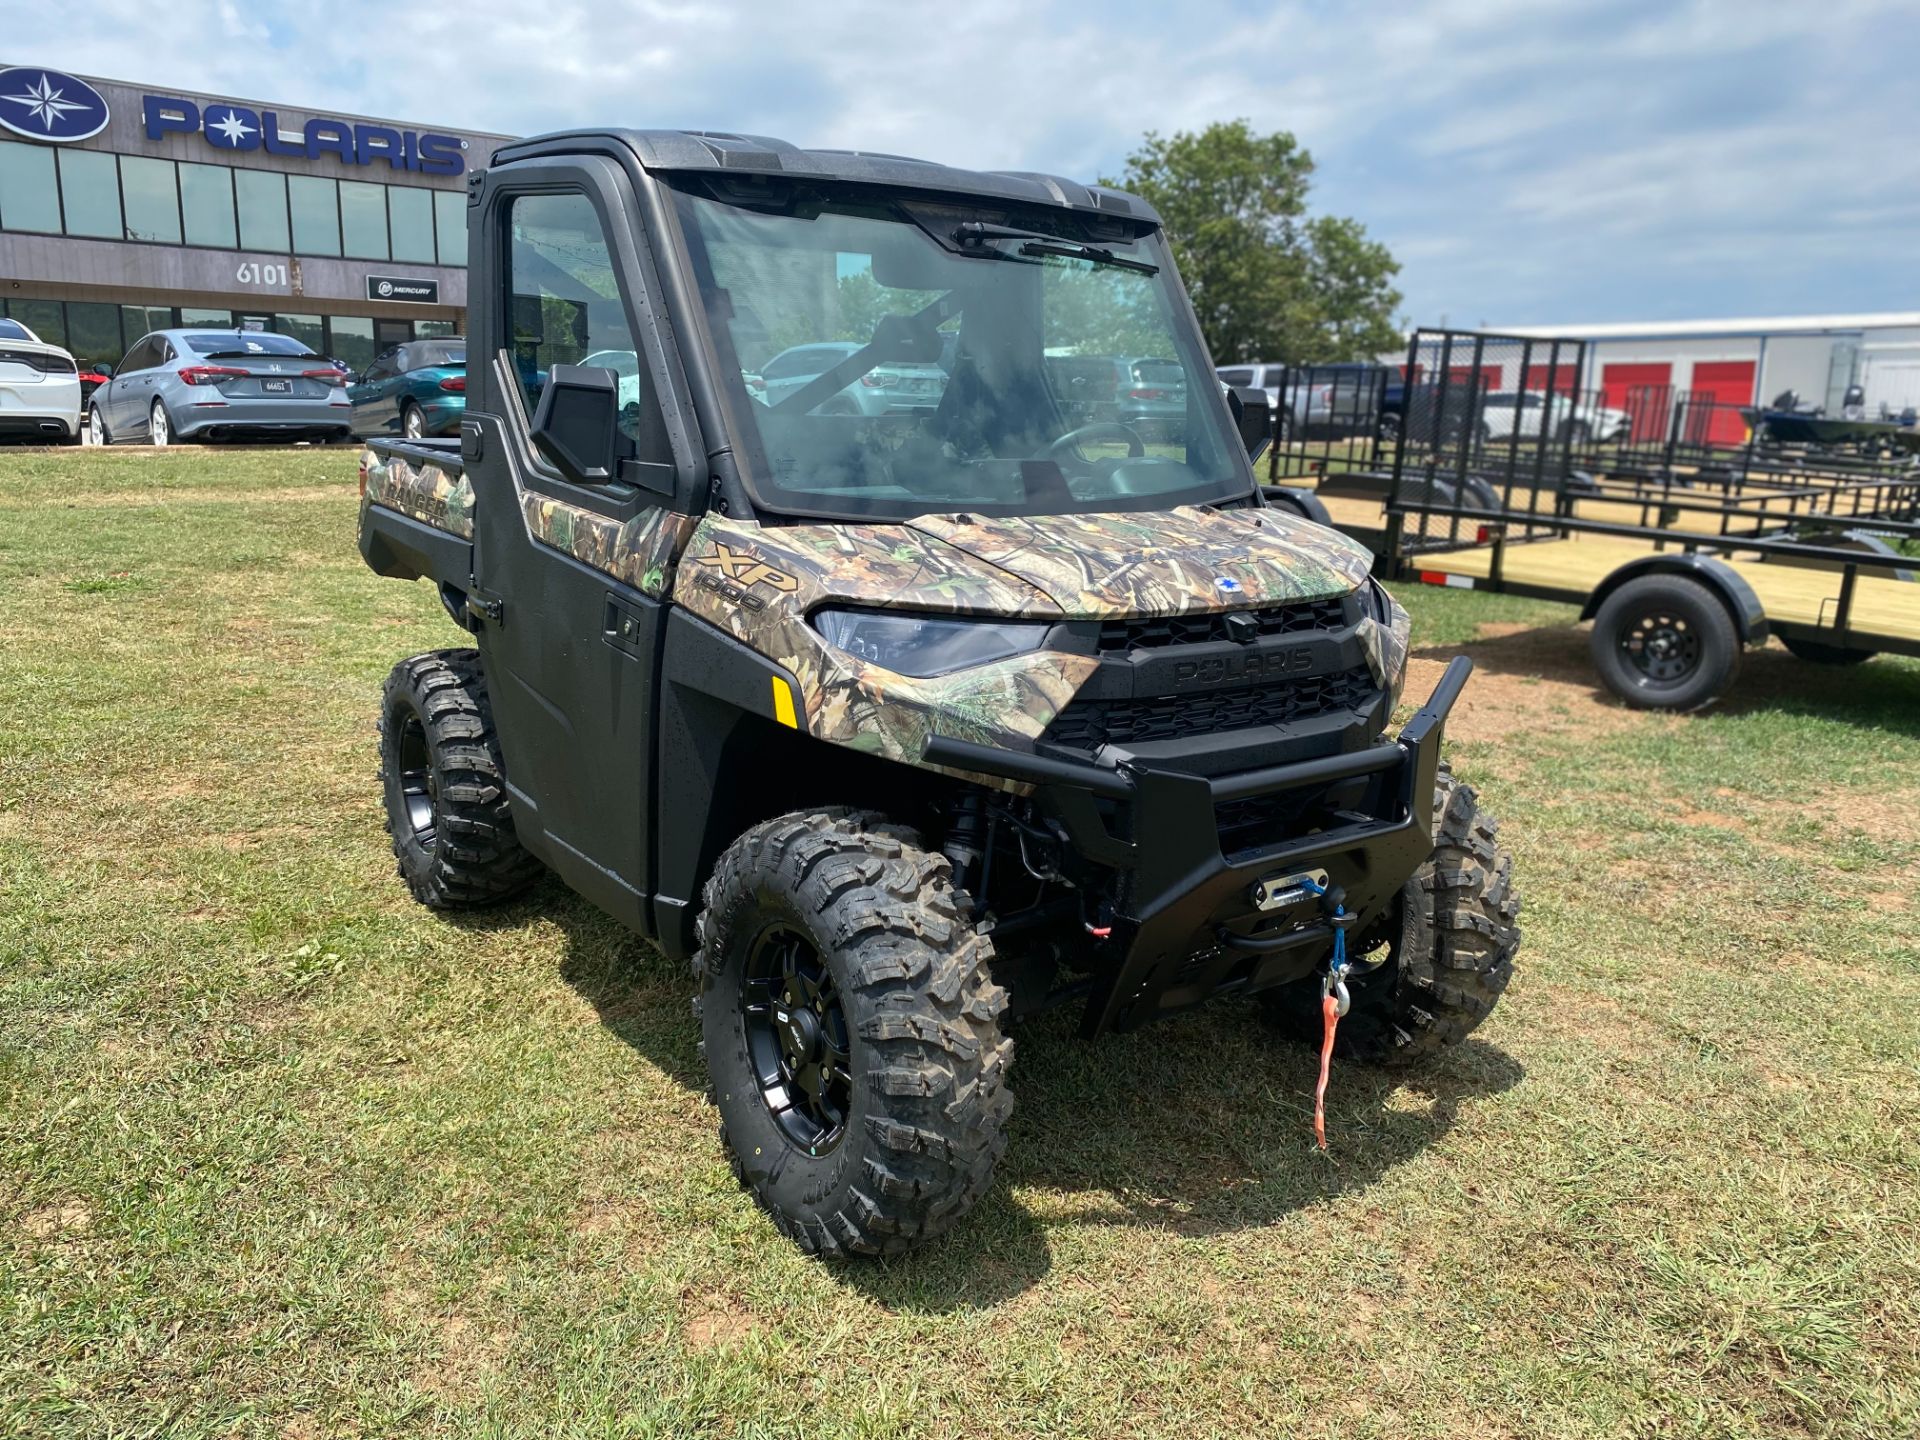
(277, 387)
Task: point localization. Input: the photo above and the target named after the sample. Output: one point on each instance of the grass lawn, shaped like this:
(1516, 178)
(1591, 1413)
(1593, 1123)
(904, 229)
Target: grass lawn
(283, 1155)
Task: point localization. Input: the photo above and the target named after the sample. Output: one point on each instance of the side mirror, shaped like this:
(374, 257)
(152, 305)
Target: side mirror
(1252, 417)
(577, 423)
(106, 370)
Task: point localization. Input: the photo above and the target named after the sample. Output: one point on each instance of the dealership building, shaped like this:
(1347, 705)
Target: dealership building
(127, 208)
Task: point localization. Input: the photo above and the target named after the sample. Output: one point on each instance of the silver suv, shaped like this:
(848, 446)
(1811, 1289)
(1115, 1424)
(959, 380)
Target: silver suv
(883, 390)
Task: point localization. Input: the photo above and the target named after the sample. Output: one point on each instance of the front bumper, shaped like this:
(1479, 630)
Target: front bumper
(1189, 926)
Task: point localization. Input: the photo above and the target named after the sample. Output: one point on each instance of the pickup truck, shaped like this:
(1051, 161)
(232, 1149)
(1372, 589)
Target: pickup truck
(897, 725)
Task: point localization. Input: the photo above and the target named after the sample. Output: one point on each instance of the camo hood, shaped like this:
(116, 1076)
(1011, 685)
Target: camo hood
(1170, 562)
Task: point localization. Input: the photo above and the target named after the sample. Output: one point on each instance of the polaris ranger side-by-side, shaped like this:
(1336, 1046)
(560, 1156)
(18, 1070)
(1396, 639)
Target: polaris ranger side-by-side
(901, 719)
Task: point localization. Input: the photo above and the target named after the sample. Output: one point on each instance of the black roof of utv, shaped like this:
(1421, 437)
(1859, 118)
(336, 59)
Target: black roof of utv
(713, 151)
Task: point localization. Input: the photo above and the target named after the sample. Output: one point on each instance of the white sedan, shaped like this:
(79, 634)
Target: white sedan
(39, 388)
(1504, 415)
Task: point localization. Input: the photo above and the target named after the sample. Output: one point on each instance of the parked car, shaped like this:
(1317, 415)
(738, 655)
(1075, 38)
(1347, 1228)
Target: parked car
(1147, 394)
(92, 376)
(39, 388)
(1337, 398)
(883, 390)
(416, 389)
(1506, 413)
(198, 384)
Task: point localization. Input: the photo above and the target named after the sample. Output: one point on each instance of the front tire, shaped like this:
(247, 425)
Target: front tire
(852, 1031)
(445, 785)
(1664, 642)
(1449, 954)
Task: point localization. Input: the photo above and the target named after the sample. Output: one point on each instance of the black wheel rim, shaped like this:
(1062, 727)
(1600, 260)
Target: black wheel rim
(797, 1039)
(1664, 648)
(419, 785)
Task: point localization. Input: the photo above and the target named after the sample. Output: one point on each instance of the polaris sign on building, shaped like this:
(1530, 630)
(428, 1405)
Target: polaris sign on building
(127, 208)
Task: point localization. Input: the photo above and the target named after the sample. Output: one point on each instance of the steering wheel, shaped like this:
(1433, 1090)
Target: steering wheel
(1136, 447)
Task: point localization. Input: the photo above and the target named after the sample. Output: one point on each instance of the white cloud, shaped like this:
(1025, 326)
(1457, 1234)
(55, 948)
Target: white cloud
(1527, 163)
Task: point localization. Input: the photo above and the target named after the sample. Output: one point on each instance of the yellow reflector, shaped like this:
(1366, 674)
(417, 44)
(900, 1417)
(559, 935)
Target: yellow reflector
(783, 704)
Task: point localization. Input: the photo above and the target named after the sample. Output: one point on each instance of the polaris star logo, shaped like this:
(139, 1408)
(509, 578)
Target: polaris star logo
(1227, 585)
(46, 105)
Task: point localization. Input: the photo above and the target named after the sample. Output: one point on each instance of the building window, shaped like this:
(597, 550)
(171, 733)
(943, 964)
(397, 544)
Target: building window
(93, 332)
(139, 320)
(434, 329)
(43, 317)
(315, 205)
(152, 199)
(450, 219)
(263, 210)
(304, 328)
(206, 204)
(412, 212)
(90, 188)
(352, 341)
(363, 219)
(29, 197)
(213, 319)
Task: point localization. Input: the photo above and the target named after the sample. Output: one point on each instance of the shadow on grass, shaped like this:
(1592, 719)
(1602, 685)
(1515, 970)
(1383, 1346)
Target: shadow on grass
(1880, 694)
(1197, 1126)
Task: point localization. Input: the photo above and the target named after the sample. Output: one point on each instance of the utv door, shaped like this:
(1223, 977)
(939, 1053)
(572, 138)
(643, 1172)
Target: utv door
(571, 559)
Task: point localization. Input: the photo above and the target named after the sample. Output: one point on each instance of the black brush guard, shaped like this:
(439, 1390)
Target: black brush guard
(1189, 926)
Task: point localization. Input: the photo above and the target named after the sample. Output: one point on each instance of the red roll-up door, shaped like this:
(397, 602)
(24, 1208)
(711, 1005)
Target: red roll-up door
(1617, 380)
(1563, 378)
(1730, 383)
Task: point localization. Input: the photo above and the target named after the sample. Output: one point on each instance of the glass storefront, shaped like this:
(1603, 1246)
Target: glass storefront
(98, 196)
(103, 333)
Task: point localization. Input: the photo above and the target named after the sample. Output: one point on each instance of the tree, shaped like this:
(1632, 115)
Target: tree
(1268, 281)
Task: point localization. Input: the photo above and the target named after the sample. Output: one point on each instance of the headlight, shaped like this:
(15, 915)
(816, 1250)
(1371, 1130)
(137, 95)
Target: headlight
(914, 645)
(1393, 636)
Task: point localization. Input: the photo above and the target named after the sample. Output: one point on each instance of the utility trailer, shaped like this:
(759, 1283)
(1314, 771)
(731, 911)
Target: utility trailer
(1679, 569)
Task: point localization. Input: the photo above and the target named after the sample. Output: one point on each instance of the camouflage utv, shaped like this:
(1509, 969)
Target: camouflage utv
(819, 637)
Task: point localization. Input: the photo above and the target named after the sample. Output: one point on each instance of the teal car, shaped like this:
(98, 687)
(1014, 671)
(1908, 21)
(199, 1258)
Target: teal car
(415, 390)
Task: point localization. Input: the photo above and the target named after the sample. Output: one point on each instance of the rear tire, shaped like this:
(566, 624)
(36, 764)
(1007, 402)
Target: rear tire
(413, 424)
(445, 785)
(97, 426)
(861, 1087)
(1449, 960)
(1664, 642)
(159, 425)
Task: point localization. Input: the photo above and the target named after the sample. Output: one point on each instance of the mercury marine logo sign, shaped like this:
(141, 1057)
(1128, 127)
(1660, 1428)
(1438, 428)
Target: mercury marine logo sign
(227, 126)
(46, 105)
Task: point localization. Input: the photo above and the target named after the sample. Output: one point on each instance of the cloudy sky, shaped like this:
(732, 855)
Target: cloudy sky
(1563, 160)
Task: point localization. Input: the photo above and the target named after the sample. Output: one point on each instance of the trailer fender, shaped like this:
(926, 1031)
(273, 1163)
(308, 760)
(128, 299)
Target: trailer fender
(1856, 540)
(1301, 502)
(1749, 616)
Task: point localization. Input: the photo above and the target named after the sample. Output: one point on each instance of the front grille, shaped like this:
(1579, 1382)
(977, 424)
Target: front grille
(1089, 724)
(1119, 636)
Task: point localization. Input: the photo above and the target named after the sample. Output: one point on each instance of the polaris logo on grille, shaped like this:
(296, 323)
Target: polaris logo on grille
(1227, 669)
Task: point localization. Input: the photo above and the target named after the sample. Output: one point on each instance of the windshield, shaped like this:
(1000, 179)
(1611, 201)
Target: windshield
(439, 354)
(879, 364)
(252, 342)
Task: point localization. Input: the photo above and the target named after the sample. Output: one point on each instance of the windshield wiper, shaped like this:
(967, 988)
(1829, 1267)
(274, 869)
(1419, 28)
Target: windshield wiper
(974, 235)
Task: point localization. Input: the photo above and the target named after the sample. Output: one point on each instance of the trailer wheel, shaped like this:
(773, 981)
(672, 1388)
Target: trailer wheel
(1664, 642)
(852, 1032)
(1449, 949)
(445, 785)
